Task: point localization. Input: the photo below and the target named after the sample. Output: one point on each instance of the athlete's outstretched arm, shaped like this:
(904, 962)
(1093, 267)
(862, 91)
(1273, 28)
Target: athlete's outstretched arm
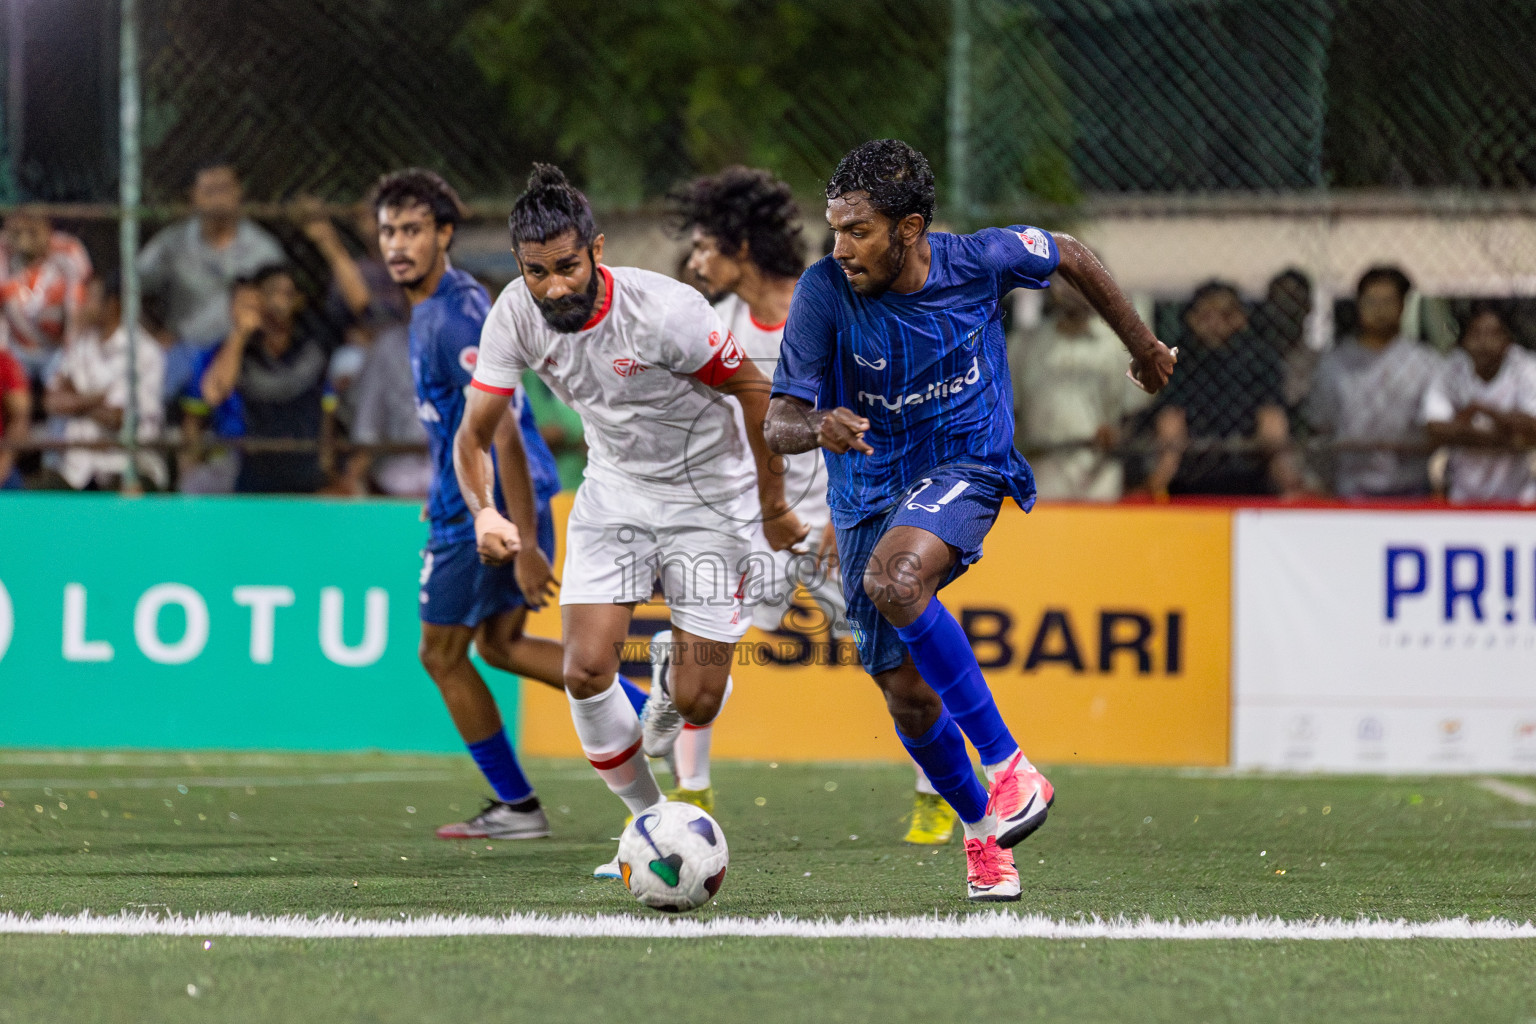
(535, 578)
(496, 538)
(781, 526)
(794, 426)
(1151, 360)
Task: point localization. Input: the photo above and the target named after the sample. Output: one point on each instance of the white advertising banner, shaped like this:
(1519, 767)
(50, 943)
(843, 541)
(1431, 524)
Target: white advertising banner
(1385, 641)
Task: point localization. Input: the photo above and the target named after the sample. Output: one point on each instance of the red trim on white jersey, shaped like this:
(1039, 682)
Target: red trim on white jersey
(597, 317)
(480, 385)
(766, 327)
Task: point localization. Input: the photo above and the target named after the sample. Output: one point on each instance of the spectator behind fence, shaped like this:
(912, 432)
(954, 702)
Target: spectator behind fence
(43, 274)
(1281, 320)
(1369, 390)
(1069, 385)
(89, 390)
(383, 401)
(274, 362)
(1484, 399)
(15, 417)
(362, 292)
(1226, 389)
(373, 369)
(193, 263)
(205, 468)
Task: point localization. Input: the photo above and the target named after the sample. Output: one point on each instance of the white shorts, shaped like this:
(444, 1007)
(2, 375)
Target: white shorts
(618, 543)
(778, 575)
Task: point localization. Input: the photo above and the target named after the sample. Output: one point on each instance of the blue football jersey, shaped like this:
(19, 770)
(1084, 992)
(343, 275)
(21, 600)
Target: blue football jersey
(445, 343)
(929, 370)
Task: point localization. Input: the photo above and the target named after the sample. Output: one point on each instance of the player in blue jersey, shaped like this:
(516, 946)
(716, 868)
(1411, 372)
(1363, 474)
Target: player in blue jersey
(744, 226)
(463, 600)
(894, 362)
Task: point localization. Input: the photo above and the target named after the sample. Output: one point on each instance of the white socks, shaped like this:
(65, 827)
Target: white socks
(692, 756)
(987, 826)
(609, 731)
(923, 785)
(691, 753)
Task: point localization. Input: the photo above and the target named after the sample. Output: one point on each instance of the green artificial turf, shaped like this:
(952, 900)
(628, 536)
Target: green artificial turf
(113, 836)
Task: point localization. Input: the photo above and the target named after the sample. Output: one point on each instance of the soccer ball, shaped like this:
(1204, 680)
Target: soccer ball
(673, 857)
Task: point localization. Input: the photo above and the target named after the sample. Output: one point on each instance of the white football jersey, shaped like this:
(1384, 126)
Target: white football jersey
(805, 473)
(639, 375)
(1482, 475)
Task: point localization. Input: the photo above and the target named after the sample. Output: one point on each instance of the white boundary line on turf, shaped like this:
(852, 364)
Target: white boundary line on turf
(1509, 791)
(982, 925)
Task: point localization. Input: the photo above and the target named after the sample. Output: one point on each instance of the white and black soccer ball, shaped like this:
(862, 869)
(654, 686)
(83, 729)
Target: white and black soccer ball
(673, 857)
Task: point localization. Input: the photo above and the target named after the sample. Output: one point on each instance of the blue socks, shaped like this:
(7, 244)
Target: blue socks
(499, 766)
(944, 658)
(636, 696)
(941, 753)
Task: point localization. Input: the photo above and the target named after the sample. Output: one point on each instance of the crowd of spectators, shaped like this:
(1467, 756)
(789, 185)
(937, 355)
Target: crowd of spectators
(249, 381)
(1258, 407)
(238, 372)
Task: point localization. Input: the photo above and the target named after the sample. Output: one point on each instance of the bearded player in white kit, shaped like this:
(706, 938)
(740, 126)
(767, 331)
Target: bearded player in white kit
(747, 250)
(677, 479)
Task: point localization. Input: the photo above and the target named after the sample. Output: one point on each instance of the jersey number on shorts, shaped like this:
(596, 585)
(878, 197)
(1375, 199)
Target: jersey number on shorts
(953, 493)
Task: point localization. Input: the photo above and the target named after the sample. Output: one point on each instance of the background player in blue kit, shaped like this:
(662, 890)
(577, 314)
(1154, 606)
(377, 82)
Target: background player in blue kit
(894, 362)
(463, 600)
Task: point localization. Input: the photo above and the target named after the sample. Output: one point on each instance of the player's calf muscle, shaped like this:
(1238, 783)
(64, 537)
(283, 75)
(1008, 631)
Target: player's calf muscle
(912, 703)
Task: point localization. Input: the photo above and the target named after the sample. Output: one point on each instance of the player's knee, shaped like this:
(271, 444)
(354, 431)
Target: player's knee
(890, 598)
(494, 654)
(698, 708)
(440, 658)
(585, 678)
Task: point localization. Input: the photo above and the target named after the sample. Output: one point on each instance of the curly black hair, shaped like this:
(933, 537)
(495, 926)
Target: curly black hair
(895, 176)
(550, 207)
(417, 186)
(745, 205)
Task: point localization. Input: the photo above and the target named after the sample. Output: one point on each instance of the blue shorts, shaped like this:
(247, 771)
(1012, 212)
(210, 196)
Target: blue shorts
(457, 589)
(956, 503)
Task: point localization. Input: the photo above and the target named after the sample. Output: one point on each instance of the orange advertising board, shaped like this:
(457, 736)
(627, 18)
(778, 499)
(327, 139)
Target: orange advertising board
(1103, 631)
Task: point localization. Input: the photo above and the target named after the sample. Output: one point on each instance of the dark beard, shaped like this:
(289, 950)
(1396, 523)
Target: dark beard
(416, 282)
(571, 313)
(891, 265)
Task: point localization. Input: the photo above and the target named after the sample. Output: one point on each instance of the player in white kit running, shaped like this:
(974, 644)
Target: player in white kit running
(744, 227)
(677, 480)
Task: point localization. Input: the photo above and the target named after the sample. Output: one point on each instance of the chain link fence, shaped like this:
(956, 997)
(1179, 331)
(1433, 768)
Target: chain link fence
(1283, 146)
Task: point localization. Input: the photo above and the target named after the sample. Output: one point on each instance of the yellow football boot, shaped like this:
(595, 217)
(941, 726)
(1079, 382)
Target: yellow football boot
(704, 799)
(933, 820)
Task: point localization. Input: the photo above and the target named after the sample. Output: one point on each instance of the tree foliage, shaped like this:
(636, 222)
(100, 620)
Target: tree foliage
(641, 93)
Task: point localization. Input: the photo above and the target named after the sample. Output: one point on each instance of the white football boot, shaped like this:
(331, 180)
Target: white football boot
(660, 721)
(1020, 798)
(497, 820)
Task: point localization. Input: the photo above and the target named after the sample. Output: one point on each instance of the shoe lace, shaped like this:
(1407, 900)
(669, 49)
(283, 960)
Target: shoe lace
(984, 861)
(661, 712)
(1005, 789)
(490, 805)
